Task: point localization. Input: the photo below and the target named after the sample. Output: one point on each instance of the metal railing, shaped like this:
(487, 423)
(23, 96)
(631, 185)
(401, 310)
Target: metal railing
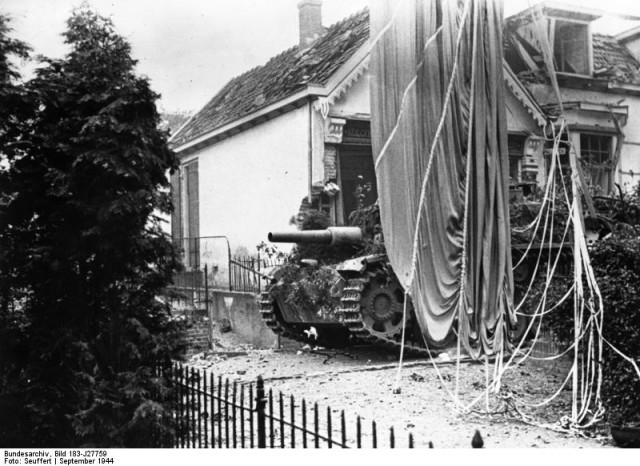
(245, 272)
(190, 290)
(208, 263)
(210, 412)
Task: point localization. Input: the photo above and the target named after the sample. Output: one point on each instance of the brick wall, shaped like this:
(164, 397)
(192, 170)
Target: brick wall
(309, 21)
(330, 163)
(197, 335)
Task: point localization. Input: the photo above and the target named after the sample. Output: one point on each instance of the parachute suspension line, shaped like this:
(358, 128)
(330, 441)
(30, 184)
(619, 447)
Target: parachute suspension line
(456, 400)
(547, 196)
(547, 51)
(549, 204)
(396, 385)
(465, 217)
(414, 256)
(500, 367)
(585, 373)
(555, 163)
(486, 382)
(546, 207)
(536, 220)
(396, 388)
(550, 271)
(436, 138)
(387, 26)
(458, 354)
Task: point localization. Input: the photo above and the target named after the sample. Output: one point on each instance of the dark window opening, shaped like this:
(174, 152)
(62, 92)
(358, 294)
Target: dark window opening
(357, 178)
(571, 47)
(595, 155)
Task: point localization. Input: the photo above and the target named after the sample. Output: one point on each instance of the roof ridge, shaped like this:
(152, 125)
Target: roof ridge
(360, 12)
(282, 74)
(601, 34)
(257, 67)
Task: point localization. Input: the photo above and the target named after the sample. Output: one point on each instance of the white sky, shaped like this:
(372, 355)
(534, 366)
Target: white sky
(190, 48)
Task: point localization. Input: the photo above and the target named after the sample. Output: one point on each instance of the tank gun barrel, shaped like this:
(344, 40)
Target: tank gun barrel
(332, 236)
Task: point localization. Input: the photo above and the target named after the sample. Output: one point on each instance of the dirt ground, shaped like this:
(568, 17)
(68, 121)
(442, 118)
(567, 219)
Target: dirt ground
(360, 381)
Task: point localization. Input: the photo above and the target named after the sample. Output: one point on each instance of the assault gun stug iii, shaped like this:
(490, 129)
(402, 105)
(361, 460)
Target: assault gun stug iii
(367, 302)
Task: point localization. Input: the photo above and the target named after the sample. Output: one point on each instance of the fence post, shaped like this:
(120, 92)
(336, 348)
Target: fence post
(260, 408)
(206, 305)
(259, 276)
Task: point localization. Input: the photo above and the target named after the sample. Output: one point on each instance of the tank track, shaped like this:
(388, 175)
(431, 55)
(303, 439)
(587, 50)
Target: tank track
(351, 315)
(268, 314)
(278, 326)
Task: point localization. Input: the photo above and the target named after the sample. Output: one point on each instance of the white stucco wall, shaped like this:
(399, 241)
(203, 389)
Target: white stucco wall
(317, 165)
(630, 156)
(355, 102)
(634, 47)
(254, 182)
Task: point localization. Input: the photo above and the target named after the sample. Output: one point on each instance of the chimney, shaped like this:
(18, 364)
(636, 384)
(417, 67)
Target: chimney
(310, 21)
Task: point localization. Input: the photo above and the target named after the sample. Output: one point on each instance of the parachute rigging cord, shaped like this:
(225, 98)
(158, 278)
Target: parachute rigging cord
(414, 255)
(585, 373)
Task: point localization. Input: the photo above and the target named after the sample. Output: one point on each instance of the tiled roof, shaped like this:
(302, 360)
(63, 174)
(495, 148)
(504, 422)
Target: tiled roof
(610, 55)
(283, 75)
(611, 60)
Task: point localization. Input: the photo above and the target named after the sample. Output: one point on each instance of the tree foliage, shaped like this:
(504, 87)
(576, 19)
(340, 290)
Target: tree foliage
(616, 264)
(85, 183)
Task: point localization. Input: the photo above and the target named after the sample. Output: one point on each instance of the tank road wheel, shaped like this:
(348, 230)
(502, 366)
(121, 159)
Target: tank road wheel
(332, 336)
(382, 306)
(372, 308)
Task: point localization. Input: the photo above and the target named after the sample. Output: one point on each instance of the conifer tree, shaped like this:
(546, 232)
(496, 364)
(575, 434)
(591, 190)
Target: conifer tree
(87, 177)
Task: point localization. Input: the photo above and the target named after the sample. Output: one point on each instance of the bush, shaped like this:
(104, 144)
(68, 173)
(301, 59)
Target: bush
(368, 220)
(616, 264)
(310, 288)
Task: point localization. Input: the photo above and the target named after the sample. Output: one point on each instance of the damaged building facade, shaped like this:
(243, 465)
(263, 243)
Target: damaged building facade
(598, 85)
(294, 134)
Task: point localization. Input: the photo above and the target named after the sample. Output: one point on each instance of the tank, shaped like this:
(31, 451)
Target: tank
(365, 300)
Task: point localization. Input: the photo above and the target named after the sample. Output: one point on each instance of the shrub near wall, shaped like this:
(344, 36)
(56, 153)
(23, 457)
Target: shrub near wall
(616, 265)
(617, 268)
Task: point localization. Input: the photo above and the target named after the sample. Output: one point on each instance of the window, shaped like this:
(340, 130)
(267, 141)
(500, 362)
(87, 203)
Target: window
(357, 178)
(571, 47)
(595, 155)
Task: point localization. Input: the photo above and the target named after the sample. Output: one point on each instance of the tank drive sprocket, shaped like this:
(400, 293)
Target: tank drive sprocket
(373, 307)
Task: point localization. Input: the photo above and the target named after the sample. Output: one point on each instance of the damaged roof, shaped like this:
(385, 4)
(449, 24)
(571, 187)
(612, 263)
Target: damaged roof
(612, 60)
(282, 76)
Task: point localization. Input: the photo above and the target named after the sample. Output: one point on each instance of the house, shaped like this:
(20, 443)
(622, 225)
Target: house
(294, 134)
(598, 81)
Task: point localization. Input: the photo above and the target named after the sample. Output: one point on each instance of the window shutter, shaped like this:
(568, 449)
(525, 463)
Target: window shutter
(194, 204)
(176, 214)
(193, 215)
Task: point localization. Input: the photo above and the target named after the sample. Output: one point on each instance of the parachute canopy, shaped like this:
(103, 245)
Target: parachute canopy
(440, 150)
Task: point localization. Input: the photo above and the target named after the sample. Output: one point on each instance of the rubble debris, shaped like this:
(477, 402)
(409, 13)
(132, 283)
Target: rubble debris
(224, 325)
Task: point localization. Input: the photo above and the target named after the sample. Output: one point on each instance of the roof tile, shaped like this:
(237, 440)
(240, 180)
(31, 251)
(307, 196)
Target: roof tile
(282, 76)
(610, 55)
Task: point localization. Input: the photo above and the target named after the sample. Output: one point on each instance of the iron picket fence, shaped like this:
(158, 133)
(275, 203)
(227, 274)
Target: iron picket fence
(212, 412)
(209, 265)
(245, 272)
